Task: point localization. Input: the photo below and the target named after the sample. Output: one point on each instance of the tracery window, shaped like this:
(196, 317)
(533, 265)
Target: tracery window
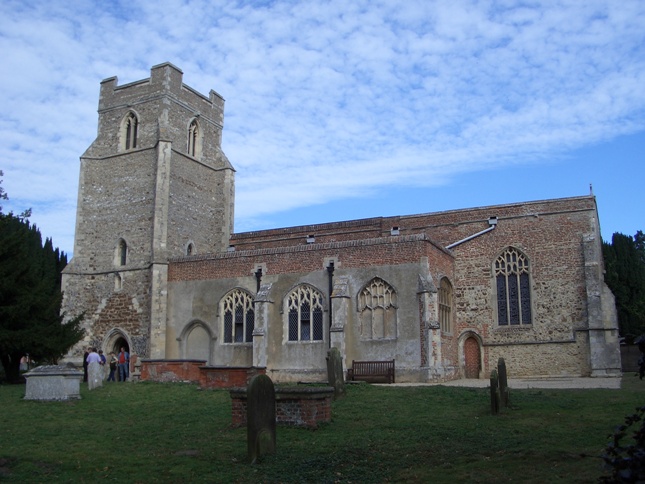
(513, 288)
(305, 314)
(131, 126)
(445, 305)
(378, 310)
(239, 317)
(193, 136)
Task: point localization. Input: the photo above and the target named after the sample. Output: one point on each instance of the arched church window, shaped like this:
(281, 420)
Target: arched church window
(239, 317)
(122, 253)
(190, 248)
(377, 305)
(445, 305)
(511, 272)
(193, 138)
(305, 314)
(129, 131)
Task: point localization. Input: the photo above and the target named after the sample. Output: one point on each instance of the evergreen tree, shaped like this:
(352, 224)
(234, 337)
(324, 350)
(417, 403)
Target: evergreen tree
(30, 297)
(625, 276)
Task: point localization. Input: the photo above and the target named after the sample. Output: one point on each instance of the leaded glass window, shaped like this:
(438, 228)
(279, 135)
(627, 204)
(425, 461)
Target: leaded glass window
(513, 288)
(305, 314)
(239, 317)
(377, 305)
(445, 305)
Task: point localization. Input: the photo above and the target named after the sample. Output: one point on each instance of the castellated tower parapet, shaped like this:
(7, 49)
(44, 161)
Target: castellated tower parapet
(154, 184)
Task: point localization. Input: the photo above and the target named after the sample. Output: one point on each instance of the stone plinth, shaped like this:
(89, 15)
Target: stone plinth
(53, 382)
(295, 406)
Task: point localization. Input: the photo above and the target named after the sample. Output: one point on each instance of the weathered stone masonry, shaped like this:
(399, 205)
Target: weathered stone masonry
(374, 283)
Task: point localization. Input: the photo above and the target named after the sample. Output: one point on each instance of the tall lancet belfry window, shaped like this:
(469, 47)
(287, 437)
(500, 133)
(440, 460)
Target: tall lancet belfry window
(193, 136)
(131, 128)
(513, 288)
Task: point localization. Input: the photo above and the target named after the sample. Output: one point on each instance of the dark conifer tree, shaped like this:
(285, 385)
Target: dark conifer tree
(30, 297)
(625, 276)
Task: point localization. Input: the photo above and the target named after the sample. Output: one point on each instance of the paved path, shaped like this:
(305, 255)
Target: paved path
(559, 383)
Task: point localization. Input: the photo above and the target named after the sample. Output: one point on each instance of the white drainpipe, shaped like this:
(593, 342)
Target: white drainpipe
(492, 222)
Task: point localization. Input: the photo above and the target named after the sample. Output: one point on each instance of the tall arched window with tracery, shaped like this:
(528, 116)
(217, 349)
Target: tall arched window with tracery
(445, 305)
(239, 317)
(129, 131)
(305, 314)
(513, 288)
(378, 310)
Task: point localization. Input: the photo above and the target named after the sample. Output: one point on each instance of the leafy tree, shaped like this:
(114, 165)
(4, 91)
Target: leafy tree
(30, 297)
(625, 275)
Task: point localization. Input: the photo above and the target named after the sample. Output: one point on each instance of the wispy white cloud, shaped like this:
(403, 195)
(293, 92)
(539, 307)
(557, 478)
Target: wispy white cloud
(331, 99)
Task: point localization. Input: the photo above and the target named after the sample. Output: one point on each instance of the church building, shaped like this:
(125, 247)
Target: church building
(158, 268)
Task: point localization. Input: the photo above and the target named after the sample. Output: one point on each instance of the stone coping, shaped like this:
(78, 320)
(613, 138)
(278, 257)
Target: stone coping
(301, 392)
(54, 370)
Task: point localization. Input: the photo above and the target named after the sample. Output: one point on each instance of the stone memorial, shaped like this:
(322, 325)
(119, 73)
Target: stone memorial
(53, 382)
(504, 392)
(335, 375)
(260, 417)
(494, 393)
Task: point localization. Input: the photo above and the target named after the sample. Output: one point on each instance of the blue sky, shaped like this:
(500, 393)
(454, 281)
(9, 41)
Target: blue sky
(340, 110)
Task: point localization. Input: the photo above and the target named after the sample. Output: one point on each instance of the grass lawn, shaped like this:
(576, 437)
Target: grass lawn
(151, 432)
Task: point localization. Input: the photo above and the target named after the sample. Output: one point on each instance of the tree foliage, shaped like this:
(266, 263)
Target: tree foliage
(30, 297)
(625, 276)
(626, 460)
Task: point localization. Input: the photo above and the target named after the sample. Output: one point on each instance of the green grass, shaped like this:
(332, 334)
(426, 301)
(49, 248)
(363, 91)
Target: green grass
(149, 432)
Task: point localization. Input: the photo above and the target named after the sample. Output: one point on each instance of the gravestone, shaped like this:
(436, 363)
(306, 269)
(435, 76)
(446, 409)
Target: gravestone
(494, 393)
(504, 392)
(53, 382)
(335, 375)
(260, 417)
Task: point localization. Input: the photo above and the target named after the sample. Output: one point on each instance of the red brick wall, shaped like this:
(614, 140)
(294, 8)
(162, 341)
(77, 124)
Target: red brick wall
(171, 370)
(223, 377)
(299, 407)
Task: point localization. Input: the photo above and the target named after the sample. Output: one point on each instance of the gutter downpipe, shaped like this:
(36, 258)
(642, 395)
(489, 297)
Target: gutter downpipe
(492, 222)
(330, 272)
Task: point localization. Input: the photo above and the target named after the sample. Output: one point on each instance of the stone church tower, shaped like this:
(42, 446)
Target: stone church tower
(154, 184)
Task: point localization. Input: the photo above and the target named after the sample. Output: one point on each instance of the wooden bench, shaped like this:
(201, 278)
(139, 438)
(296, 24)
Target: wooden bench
(371, 371)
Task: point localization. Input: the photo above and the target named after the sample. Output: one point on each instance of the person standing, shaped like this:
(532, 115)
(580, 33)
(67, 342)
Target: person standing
(94, 370)
(102, 363)
(113, 362)
(124, 363)
(85, 355)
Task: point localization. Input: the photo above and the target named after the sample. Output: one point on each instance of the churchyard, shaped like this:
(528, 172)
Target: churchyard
(154, 432)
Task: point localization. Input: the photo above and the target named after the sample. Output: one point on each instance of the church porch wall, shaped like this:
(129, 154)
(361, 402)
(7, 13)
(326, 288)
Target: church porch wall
(198, 301)
(567, 359)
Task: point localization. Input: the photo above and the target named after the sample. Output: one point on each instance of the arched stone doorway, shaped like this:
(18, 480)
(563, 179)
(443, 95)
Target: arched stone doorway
(114, 341)
(472, 358)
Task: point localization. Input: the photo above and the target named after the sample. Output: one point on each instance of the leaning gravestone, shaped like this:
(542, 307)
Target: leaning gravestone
(335, 375)
(53, 382)
(260, 417)
(494, 393)
(504, 392)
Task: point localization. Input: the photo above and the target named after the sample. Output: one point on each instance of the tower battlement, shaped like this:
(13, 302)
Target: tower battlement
(165, 80)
